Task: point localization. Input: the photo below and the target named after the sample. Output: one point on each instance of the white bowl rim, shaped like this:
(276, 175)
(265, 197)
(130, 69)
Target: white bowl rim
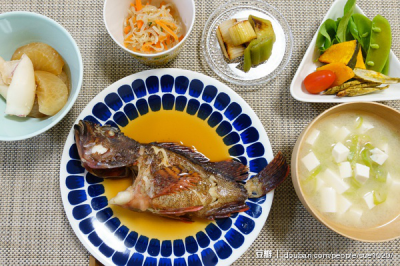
(156, 54)
(64, 112)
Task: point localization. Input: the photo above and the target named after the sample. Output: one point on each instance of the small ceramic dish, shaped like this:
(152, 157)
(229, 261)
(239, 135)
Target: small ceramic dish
(310, 63)
(18, 29)
(231, 71)
(115, 14)
(380, 233)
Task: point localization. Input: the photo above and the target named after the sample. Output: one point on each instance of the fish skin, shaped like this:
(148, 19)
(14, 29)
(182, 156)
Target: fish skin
(173, 182)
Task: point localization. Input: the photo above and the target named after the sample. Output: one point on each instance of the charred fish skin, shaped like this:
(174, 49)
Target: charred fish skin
(170, 185)
(172, 180)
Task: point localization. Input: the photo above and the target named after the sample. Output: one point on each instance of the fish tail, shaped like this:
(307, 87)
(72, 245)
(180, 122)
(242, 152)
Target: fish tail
(269, 178)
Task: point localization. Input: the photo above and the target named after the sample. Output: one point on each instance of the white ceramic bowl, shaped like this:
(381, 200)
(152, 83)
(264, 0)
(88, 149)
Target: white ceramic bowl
(114, 15)
(18, 29)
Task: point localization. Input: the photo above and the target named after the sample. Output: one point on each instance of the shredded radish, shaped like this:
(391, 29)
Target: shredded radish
(149, 29)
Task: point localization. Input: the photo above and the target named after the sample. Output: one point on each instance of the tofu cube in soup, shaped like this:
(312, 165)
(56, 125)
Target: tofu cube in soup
(369, 199)
(328, 199)
(361, 173)
(313, 136)
(343, 204)
(378, 156)
(345, 170)
(342, 133)
(310, 161)
(334, 181)
(340, 152)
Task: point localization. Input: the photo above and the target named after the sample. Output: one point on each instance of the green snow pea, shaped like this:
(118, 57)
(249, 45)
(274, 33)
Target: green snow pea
(362, 31)
(380, 43)
(385, 70)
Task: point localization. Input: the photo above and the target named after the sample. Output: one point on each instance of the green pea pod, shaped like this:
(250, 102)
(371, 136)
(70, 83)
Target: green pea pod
(352, 27)
(261, 51)
(379, 45)
(247, 62)
(385, 70)
(363, 25)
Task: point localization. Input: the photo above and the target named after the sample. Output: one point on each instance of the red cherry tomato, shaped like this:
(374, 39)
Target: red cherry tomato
(319, 81)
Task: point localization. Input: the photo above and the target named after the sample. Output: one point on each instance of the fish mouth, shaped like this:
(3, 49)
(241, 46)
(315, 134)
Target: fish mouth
(81, 129)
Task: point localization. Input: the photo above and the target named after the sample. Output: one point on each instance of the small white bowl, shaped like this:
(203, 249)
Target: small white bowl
(18, 29)
(115, 13)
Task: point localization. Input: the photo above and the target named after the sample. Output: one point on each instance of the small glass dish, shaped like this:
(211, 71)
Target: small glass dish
(232, 71)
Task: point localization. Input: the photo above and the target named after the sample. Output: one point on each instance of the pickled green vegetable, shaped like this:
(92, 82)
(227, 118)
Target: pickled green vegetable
(380, 43)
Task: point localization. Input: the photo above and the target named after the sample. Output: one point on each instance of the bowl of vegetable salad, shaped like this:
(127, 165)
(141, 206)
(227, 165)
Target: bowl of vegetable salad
(153, 32)
(345, 170)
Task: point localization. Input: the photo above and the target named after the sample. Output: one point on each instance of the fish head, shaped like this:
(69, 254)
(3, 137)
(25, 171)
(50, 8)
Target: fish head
(104, 147)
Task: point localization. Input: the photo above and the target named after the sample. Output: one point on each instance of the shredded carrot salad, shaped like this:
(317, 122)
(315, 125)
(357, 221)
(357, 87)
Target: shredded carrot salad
(151, 29)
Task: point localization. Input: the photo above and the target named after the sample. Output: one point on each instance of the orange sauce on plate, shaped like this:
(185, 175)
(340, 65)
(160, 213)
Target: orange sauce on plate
(166, 126)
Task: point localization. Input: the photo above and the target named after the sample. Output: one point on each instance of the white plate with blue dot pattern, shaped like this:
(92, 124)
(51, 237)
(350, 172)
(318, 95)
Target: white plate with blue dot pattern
(220, 242)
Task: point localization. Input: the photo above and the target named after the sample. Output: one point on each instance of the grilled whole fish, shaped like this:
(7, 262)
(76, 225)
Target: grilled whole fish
(172, 180)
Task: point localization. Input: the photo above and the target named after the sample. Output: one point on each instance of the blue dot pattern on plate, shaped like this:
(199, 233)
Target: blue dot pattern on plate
(218, 240)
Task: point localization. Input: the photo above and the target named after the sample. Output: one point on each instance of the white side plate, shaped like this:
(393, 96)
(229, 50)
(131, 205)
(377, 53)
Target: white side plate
(309, 64)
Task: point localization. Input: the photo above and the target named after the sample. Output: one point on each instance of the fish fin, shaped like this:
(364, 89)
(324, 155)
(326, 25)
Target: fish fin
(176, 212)
(114, 173)
(182, 218)
(187, 152)
(173, 179)
(226, 210)
(268, 178)
(232, 169)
